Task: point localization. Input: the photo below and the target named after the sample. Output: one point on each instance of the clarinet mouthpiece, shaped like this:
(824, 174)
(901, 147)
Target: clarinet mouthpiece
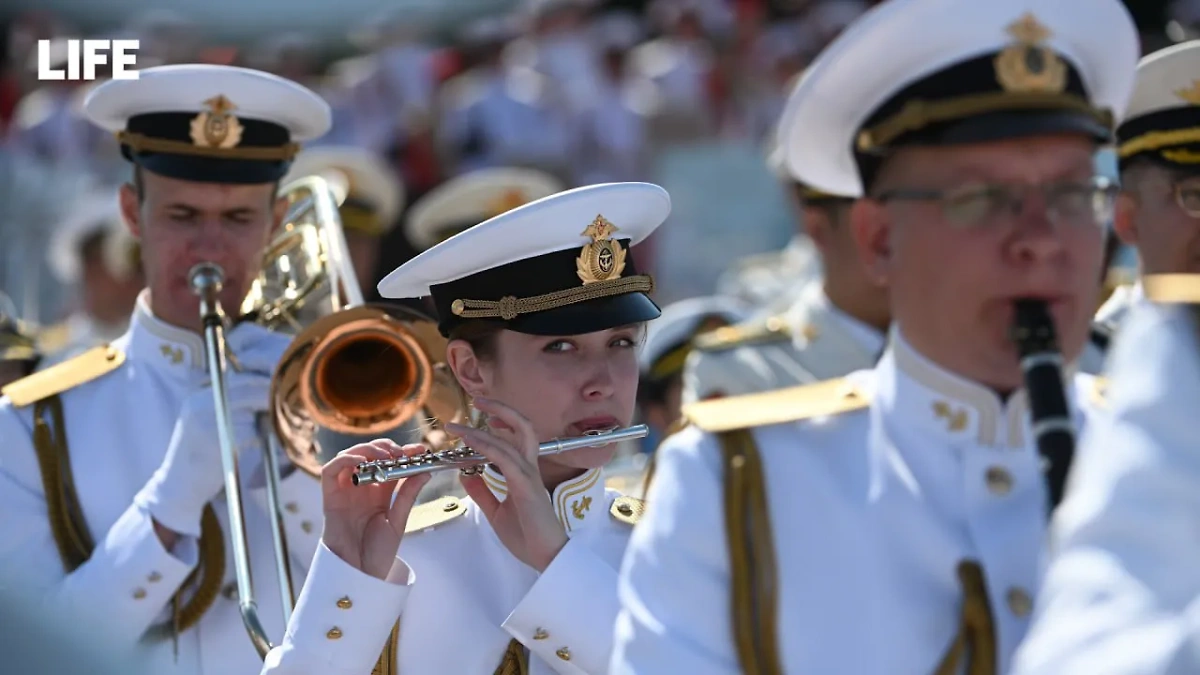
(1033, 327)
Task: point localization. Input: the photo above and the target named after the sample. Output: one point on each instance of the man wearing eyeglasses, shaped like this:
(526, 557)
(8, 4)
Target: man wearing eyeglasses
(1158, 211)
(893, 521)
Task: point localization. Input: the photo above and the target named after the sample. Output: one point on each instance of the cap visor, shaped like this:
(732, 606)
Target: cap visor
(588, 317)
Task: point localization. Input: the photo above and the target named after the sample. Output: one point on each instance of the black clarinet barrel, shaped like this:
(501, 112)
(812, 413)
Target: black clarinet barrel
(1036, 340)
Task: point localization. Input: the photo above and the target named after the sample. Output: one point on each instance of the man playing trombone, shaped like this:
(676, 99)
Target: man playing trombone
(111, 476)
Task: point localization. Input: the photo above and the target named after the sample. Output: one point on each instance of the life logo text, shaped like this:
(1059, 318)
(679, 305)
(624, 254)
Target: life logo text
(82, 57)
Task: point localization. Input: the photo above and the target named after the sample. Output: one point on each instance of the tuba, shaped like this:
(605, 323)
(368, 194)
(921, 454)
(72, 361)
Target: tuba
(350, 368)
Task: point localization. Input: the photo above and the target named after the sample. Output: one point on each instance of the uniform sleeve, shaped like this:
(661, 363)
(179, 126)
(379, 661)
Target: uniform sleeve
(566, 618)
(674, 581)
(124, 585)
(1122, 591)
(342, 619)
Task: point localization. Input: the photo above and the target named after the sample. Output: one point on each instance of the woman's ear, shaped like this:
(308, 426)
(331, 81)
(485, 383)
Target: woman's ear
(468, 368)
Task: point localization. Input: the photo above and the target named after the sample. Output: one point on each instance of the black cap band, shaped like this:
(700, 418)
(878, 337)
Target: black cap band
(1170, 137)
(544, 295)
(214, 146)
(1023, 90)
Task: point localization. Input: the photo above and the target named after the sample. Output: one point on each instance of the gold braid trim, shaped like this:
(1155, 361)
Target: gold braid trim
(510, 307)
(1154, 140)
(74, 540)
(977, 633)
(142, 143)
(752, 556)
(515, 661)
(386, 665)
(917, 114)
(71, 535)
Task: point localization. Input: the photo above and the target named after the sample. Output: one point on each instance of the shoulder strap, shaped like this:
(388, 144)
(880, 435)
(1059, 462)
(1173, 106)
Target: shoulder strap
(793, 404)
(627, 510)
(753, 598)
(433, 513)
(90, 365)
(1181, 289)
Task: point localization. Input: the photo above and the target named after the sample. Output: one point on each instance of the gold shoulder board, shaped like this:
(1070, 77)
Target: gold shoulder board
(831, 397)
(1172, 288)
(56, 379)
(774, 329)
(628, 509)
(434, 513)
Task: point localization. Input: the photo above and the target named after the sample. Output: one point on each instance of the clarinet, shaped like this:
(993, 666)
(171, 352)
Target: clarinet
(1041, 363)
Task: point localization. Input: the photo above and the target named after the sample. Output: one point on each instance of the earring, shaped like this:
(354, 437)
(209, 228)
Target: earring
(476, 418)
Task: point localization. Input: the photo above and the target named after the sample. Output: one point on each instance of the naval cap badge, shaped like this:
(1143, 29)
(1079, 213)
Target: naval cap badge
(217, 127)
(603, 258)
(1028, 65)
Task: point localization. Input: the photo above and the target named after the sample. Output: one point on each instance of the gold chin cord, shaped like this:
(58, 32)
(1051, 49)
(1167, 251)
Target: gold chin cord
(349, 369)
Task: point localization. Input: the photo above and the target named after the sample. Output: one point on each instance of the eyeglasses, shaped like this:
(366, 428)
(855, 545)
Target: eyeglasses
(1088, 202)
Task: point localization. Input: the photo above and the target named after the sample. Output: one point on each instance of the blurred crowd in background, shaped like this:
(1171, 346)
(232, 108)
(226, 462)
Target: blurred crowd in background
(683, 93)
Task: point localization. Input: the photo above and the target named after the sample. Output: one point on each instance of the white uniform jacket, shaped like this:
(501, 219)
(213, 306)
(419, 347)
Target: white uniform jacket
(810, 342)
(118, 427)
(871, 512)
(1122, 593)
(461, 597)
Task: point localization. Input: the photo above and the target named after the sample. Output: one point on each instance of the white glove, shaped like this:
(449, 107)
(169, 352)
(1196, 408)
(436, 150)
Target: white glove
(192, 474)
(254, 348)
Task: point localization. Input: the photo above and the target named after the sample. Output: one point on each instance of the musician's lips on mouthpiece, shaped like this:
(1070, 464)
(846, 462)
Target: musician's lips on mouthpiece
(593, 425)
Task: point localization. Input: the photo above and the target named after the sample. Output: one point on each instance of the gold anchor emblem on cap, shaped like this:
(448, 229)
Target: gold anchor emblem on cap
(603, 258)
(1029, 65)
(217, 127)
(1190, 94)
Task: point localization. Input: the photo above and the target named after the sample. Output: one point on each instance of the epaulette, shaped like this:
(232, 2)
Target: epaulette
(773, 329)
(1172, 288)
(433, 513)
(628, 510)
(56, 379)
(793, 404)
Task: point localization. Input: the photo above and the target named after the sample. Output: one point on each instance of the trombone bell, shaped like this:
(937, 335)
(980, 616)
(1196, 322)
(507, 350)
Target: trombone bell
(359, 371)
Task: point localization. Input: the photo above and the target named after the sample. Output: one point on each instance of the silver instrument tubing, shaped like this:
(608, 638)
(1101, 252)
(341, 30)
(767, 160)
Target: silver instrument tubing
(465, 459)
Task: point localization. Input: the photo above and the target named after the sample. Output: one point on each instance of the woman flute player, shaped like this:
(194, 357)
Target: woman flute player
(544, 310)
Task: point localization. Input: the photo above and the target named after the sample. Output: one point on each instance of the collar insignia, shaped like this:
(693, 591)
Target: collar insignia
(1028, 65)
(217, 127)
(603, 258)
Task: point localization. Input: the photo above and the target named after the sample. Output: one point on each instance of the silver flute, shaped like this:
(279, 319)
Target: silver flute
(470, 462)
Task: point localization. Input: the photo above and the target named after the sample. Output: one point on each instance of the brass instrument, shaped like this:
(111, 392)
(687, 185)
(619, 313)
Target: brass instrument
(468, 461)
(349, 369)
